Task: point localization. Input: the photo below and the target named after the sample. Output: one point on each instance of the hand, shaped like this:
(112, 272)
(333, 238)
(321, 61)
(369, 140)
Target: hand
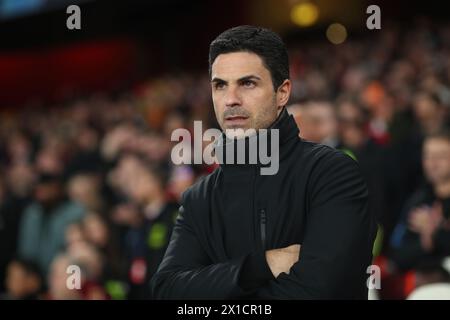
(425, 221)
(281, 260)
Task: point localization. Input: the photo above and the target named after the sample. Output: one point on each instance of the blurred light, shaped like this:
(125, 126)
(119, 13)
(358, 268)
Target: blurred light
(336, 33)
(304, 14)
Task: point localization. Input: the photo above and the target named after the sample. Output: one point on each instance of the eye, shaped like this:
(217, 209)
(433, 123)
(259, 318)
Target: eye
(248, 83)
(219, 85)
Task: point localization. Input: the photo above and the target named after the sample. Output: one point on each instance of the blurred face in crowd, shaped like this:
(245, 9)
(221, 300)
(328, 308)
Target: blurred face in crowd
(88, 256)
(84, 189)
(135, 180)
(127, 214)
(21, 283)
(19, 148)
(243, 93)
(87, 139)
(146, 187)
(74, 234)
(20, 178)
(428, 112)
(351, 124)
(57, 280)
(48, 161)
(96, 230)
(436, 160)
(48, 193)
(317, 122)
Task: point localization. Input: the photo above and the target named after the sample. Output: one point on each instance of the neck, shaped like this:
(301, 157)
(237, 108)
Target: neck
(264, 150)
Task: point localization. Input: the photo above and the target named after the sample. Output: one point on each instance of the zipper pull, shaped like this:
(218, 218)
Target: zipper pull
(263, 221)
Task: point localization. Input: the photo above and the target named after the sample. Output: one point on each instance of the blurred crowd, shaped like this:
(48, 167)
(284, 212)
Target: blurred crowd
(90, 182)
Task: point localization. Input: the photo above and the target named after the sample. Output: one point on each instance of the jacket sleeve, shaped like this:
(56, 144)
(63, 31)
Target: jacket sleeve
(187, 271)
(339, 234)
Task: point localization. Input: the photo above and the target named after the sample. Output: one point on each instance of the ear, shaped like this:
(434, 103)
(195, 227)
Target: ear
(283, 93)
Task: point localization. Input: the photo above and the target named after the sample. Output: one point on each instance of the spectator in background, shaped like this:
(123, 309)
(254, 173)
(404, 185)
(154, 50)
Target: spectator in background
(404, 158)
(57, 280)
(317, 122)
(430, 112)
(423, 234)
(19, 180)
(18, 148)
(85, 190)
(43, 225)
(91, 243)
(431, 116)
(92, 265)
(133, 245)
(98, 232)
(353, 122)
(74, 234)
(16, 180)
(149, 219)
(23, 281)
(11, 207)
(86, 155)
(356, 141)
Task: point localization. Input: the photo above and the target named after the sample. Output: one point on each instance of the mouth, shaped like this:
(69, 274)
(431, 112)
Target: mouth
(235, 119)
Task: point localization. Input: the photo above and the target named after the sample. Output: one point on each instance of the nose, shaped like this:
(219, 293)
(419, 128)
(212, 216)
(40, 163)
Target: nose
(232, 98)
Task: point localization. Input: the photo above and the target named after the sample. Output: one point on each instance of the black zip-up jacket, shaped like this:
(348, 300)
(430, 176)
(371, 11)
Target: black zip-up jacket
(230, 218)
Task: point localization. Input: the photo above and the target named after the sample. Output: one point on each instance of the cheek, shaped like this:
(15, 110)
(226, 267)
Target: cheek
(446, 165)
(217, 103)
(257, 101)
(435, 166)
(262, 96)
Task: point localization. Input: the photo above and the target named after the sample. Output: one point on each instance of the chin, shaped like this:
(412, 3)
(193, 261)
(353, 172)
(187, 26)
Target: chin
(239, 132)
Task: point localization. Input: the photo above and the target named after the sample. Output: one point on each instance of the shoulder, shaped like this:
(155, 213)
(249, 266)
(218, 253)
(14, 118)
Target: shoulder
(333, 173)
(325, 158)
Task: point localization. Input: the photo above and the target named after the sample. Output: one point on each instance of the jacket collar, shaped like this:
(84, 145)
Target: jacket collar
(287, 133)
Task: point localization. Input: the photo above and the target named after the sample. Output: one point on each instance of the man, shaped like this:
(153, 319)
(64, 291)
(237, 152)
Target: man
(44, 221)
(239, 232)
(318, 122)
(423, 234)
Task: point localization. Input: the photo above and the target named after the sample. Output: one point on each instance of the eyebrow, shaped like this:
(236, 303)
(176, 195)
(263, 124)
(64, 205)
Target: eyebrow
(249, 77)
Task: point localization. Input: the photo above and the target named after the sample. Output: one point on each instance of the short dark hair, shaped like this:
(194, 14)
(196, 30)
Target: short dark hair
(261, 41)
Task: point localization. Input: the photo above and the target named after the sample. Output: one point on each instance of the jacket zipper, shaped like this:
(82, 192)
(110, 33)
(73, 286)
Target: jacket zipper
(263, 221)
